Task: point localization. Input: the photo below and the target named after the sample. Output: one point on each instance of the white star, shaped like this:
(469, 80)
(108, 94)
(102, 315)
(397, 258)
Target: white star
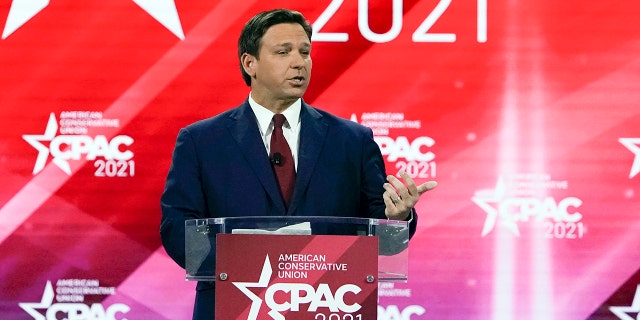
(20, 12)
(633, 144)
(43, 151)
(622, 312)
(265, 276)
(483, 199)
(164, 11)
(45, 303)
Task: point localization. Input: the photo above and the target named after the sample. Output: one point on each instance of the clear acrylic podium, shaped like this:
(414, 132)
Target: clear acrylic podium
(393, 239)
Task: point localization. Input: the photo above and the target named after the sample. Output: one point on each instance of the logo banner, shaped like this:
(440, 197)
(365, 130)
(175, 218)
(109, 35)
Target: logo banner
(296, 277)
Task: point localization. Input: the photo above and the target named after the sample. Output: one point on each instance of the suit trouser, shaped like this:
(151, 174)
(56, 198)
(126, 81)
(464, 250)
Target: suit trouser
(205, 304)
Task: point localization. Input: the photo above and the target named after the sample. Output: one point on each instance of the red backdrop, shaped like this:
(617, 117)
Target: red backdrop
(526, 113)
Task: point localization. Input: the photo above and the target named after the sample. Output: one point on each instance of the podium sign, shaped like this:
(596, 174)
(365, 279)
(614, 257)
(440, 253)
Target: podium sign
(296, 277)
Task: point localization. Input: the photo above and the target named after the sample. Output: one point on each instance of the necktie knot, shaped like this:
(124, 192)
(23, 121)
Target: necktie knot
(278, 120)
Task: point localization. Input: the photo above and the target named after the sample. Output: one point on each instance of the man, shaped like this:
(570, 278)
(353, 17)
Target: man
(224, 166)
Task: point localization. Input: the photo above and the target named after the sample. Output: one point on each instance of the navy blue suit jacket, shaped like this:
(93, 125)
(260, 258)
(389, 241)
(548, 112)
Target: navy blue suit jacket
(220, 168)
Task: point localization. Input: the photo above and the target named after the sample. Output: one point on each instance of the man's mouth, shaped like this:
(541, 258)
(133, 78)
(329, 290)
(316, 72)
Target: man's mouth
(297, 80)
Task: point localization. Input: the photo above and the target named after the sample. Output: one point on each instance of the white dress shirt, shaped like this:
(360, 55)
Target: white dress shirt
(290, 129)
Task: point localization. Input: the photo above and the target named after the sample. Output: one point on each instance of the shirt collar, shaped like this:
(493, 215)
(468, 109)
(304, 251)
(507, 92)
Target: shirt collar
(264, 115)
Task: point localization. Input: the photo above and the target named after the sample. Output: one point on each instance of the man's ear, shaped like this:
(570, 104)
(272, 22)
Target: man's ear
(248, 64)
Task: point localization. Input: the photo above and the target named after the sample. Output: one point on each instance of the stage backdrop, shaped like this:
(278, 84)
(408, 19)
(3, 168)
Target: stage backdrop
(527, 113)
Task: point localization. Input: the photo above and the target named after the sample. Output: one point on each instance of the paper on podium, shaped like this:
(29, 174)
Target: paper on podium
(303, 228)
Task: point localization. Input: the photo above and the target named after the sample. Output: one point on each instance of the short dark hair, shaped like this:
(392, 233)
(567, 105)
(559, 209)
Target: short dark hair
(254, 29)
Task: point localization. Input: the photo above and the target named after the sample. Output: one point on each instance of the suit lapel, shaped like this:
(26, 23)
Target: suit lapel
(244, 131)
(313, 132)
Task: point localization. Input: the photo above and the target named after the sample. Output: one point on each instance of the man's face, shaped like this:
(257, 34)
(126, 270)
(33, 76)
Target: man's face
(282, 70)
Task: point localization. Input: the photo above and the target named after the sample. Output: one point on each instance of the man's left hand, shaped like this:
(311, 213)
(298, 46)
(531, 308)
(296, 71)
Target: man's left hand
(400, 197)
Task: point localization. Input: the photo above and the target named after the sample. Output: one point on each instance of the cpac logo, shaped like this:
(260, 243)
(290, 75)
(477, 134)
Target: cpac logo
(633, 144)
(299, 293)
(416, 150)
(511, 210)
(71, 147)
(393, 313)
(72, 311)
(164, 11)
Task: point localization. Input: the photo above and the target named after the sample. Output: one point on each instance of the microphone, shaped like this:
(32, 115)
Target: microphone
(277, 159)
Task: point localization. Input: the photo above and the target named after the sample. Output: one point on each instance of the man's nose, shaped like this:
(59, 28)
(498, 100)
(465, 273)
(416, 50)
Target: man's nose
(297, 61)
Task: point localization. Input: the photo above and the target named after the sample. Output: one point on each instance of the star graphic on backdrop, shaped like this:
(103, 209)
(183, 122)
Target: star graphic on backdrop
(487, 200)
(256, 302)
(633, 144)
(164, 11)
(35, 140)
(45, 303)
(623, 312)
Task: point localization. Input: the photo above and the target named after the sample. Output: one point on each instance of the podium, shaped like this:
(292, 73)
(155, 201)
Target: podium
(296, 267)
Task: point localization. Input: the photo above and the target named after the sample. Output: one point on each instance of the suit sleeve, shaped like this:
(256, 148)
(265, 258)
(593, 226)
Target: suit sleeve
(374, 177)
(182, 198)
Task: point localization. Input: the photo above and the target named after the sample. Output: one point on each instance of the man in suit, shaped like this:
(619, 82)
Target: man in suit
(222, 167)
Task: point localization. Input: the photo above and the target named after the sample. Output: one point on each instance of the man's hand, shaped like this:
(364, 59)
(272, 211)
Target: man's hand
(400, 197)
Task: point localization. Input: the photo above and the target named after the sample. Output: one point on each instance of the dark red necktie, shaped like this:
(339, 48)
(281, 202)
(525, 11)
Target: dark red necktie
(282, 160)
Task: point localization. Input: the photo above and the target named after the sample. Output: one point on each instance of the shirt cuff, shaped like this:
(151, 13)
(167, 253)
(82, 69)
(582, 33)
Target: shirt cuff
(410, 217)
